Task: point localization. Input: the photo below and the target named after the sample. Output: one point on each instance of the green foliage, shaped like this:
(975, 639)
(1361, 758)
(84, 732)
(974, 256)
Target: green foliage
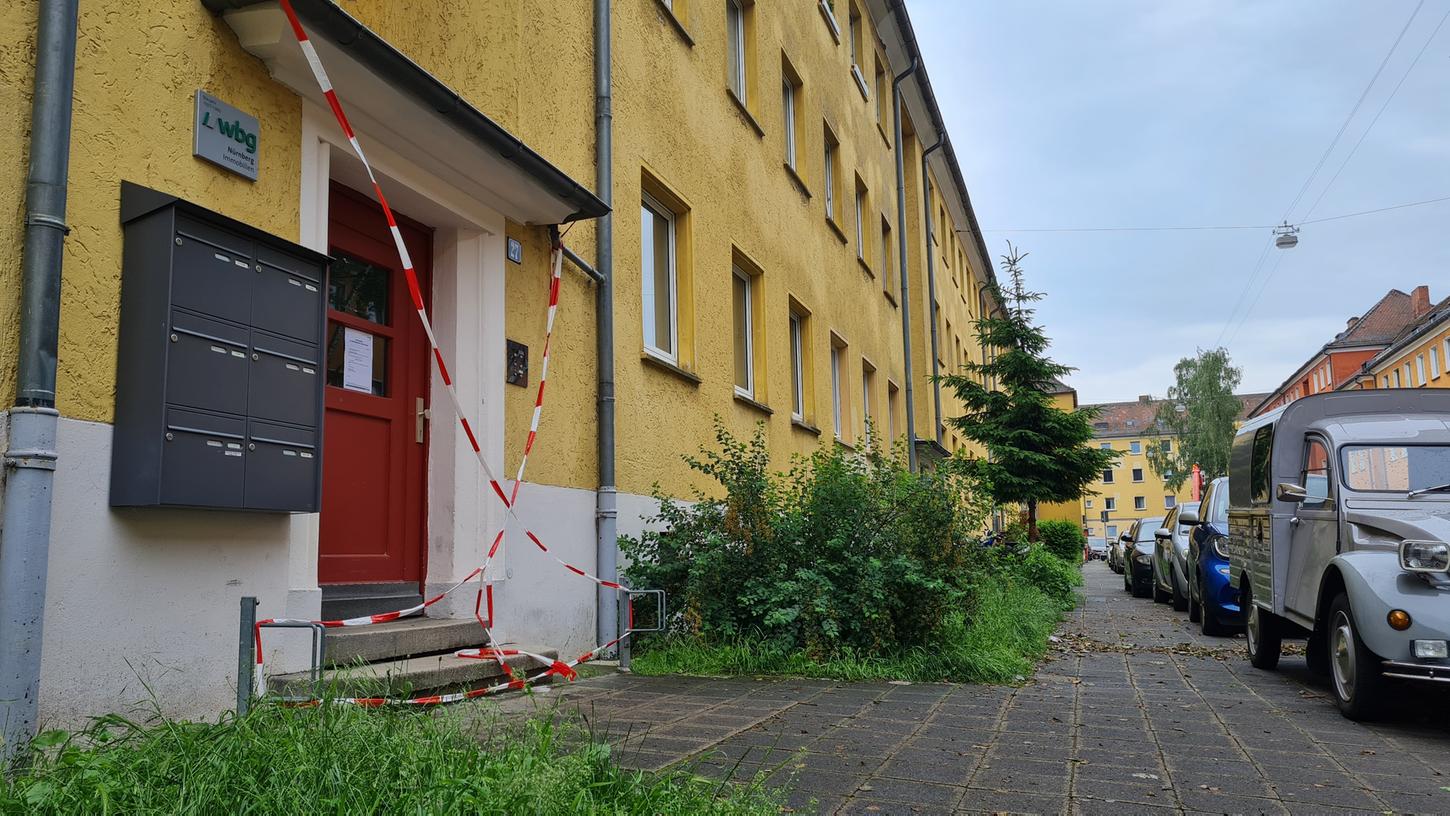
(844, 552)
(846, 567)
(1038, 452)
(1063, 539)
(1203, 430)
(345, 760)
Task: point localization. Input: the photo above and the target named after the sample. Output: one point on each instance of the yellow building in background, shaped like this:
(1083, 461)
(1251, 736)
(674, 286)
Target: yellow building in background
(1418, 358)
(755, 275)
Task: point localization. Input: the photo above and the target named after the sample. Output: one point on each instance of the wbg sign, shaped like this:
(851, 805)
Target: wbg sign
(225, 136)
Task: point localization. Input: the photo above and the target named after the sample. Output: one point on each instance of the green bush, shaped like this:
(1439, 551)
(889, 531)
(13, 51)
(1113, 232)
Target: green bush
(1054, 577)
(343, 760)
(845, 554)
(1063, 539)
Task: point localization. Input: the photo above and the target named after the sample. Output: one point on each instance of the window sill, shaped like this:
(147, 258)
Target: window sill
(843, 443)
(800, 183)
(865, 267)
(745, 111)
(676, 23)
(752, 403)
(669, 367)
(800, 424)
(831, 24)
(836, 228)
(860, 82)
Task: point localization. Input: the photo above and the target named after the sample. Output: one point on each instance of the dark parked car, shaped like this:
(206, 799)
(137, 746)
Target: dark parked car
(1212, 602)
(1138, 556)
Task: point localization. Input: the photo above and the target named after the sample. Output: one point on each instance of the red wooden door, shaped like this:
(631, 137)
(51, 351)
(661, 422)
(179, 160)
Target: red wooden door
(375, 442)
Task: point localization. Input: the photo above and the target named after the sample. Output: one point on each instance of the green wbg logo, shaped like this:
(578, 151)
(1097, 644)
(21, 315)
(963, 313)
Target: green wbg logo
(231, 129)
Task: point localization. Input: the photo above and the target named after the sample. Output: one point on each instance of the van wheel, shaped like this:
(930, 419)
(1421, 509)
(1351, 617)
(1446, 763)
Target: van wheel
(1355, 671)
(1263, 635)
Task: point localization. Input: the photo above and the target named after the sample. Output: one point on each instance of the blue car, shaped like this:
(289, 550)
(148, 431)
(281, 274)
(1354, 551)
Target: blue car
(1212, 602)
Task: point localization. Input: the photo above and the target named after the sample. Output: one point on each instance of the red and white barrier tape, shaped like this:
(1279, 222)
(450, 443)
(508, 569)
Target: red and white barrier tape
(485, 592)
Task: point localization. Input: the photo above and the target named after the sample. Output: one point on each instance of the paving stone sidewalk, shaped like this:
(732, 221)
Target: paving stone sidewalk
(1133, 712)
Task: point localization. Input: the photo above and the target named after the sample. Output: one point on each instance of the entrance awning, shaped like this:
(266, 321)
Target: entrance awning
(382, 88)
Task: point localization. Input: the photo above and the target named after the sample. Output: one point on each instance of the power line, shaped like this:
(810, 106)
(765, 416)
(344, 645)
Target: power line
(1378, 210)
(1218, 227)
(1352, 111)
(1378, 113)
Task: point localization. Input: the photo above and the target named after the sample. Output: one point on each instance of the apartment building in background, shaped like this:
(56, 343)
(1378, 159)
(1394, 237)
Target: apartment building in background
(1130, 490)
(755, 271)
(1418, 358)
(1341, 360)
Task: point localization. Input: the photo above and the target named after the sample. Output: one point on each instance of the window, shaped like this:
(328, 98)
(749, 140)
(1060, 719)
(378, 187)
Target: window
(735, 48)
(860, 220)
(1112, 531)
(1105, 445)
(1140, 503)
(838, 396)
(1385, 381)
(829, 172)
(1088, 504)
(1315, 475)
(868, 414)
(799, 362)
(1169, 502)
(1434, 363)
(1395, 468)
(1135, 447)
(787, 98)
(886, 257)
(1166, 445)
(1397, 378)
(742, 286)
(1259, 476)
(1409, 377)
(659, 277)
(893, 409)
(1137, 474)
(855, 36)
(882, 118)
(1110, 503)
(1107, 477)
(1420, 367)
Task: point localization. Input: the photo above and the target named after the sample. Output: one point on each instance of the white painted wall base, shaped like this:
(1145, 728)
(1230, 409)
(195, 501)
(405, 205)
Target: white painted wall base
(142, 604)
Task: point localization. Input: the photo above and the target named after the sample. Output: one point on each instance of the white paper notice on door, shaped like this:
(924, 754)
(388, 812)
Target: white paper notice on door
(357, 362)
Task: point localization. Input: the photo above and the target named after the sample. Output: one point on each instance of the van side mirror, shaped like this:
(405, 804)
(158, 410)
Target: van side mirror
(1162, 532)
(1189, 518)
(1290, 492)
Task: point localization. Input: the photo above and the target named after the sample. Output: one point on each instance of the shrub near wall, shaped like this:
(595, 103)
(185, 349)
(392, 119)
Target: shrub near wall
(1063, 539)
(847, 565)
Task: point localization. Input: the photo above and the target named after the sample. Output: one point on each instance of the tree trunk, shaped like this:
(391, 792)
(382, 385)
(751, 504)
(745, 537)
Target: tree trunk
(1032, 520)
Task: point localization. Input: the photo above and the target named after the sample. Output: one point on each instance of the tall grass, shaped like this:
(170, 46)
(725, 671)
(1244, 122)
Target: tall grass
(1001, 640)
(344, 760)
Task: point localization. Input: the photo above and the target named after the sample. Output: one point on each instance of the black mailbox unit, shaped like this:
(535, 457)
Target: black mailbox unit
(219, 377)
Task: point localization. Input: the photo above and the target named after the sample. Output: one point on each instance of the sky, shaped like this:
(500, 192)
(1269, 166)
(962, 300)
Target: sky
(1129, 113)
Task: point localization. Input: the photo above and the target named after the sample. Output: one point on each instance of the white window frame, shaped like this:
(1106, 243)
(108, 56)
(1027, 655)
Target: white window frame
(787, 94)
(1140, 502)
(749, 389)
(1135, 447)
(1434, 362)
(1137, 475)
(797, 362)
(830, 180)
(860, 222)
(836, 390)
(735, 47)
(1420, 368)
(1397, 378)
(1409, 376)
(672, 355)
(1087, 504)
(1110, 503)
(1169, 502)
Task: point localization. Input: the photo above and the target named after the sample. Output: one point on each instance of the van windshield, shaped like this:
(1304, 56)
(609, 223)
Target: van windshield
(1395, 468)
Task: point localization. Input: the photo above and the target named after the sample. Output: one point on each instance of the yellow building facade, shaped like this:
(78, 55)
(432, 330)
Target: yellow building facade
(756, 278)
(1130, 490)
(1419, 358)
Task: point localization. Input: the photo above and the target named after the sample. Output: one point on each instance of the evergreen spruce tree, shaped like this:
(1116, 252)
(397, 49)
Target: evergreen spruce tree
(1036, 452)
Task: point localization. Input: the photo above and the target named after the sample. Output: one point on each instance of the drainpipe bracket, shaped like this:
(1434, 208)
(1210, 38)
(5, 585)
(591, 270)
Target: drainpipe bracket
(49, 221)
(31, 459)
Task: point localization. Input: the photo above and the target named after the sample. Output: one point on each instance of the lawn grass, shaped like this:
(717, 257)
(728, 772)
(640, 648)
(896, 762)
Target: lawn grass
(1003, 638)
(346, 760)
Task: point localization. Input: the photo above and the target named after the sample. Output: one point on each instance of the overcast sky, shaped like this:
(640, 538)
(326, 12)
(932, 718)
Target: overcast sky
(1120, 113)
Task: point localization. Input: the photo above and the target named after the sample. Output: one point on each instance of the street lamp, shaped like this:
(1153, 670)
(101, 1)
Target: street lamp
(1286, 236)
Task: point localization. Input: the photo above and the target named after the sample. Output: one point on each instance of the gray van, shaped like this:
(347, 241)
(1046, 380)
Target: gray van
(1339, 514)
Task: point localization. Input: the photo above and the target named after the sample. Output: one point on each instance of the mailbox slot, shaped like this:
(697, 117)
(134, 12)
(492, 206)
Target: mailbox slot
(285, 377)
(281, 467)
(212, 272)
(203, 459)
(207, 364)
(287, 297)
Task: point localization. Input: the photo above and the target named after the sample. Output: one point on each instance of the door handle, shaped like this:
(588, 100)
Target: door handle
(420, 416)
(1294, 521)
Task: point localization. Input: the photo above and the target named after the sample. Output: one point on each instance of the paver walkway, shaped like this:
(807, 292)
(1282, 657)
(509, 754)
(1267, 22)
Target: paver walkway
(1133, 712)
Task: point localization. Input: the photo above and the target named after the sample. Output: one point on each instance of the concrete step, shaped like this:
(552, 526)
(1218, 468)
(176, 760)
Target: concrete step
(410, 637)
(406, 676)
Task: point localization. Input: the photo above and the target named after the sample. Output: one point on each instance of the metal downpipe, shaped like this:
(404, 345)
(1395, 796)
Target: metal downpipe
(931, 289)
(606, 546)
(901, 256)
(30, 456)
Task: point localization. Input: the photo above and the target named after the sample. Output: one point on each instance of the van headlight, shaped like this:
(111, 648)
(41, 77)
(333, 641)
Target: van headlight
(1220, 546)
(1425, 556)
